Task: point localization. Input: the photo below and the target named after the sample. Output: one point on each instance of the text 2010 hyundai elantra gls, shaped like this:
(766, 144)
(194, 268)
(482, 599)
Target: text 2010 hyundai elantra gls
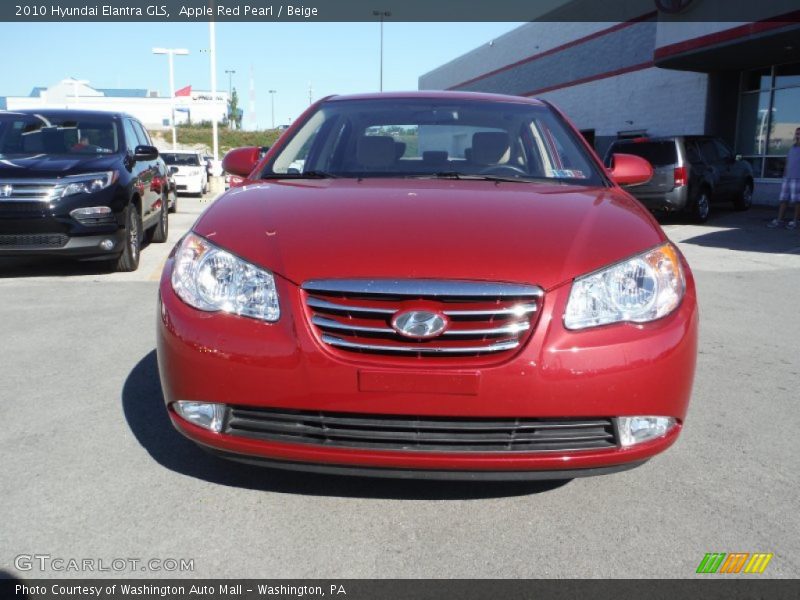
(429, 284)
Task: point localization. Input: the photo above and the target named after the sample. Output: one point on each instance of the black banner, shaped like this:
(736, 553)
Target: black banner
(716, 587)
(398, 11)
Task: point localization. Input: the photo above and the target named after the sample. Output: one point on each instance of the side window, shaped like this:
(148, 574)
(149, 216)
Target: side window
(709, 151)
(131, 139)
(723, 150)
(692, 153)
(144, 139)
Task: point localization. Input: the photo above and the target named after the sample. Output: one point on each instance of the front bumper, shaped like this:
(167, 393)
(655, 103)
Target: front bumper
(605, 372)
(38, 228)
(189, 185)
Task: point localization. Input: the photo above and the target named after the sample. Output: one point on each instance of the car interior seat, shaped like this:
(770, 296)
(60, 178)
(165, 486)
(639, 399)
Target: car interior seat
(375, 152)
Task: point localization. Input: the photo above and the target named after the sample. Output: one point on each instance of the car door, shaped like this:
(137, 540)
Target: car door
(730, 174)
(697, 166)
(149, 173)
(133, 166)
(715, 166)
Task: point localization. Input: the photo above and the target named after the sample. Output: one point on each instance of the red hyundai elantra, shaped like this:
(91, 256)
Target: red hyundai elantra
(429, 284)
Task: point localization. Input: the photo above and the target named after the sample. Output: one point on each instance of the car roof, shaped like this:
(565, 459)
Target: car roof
(68, 113)
(437, 95)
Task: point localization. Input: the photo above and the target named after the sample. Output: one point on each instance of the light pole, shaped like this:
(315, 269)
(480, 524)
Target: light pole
(212, 35)
(230, 73)
(381, 14)
(272, 100)
(170, 52)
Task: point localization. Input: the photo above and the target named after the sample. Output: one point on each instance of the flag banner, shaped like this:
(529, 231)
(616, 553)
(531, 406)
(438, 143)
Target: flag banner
(397, 589)
(408, 10)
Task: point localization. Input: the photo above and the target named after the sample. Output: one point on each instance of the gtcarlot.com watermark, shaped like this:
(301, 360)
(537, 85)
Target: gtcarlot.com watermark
(47, 563)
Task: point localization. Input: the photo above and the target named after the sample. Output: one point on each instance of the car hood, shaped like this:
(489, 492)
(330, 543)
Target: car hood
(54, 165)
(535, 233)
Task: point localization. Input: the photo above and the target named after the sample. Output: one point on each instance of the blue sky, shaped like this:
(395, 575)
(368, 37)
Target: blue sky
(333, 57)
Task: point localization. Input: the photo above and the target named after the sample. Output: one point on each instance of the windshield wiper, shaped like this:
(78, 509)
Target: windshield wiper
(303, 175)
(317, 175)
(474, 177)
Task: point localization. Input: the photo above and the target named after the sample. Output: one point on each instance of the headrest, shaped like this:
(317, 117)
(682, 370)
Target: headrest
(488, 147)
(434, 157)
(399, 149)
(375, 151)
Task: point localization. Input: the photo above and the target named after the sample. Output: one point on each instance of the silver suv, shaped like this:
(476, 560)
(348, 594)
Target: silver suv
(689, 174)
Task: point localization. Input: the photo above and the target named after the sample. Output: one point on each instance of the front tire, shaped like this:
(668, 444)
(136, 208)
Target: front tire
(174, 207)
(161, 230)
(129, 259)
(745, 199)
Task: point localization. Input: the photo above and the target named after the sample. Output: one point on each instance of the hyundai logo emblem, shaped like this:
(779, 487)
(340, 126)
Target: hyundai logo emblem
(420, 324)
(6, 190)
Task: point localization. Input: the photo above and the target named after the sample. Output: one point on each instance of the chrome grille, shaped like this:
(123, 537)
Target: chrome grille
(30, 190)
(355, 315)
(438, 434)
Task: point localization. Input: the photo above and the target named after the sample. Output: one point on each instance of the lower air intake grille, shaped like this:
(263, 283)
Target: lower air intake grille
(53, 240)
(436, 434)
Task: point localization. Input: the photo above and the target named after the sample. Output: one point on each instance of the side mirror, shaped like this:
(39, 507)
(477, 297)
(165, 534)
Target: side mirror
(241, 161)
(627, 169)
(145, 153)
(173, 170)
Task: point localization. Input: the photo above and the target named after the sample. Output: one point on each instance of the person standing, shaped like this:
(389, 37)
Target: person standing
(790, 188)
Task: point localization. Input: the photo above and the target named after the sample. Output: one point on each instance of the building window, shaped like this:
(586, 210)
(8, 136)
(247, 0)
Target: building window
(769, 113)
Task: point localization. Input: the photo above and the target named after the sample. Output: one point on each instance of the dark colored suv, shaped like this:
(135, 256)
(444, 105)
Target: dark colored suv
(80, 184)
(689, 174)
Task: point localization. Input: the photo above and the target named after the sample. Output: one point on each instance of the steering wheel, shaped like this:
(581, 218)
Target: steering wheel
(504, 170)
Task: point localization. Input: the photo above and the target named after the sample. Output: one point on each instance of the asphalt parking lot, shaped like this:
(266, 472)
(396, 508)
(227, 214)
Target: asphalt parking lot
(92, 468)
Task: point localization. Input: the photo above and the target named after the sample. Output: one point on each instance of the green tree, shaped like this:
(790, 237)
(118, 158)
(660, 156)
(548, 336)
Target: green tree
(234, 114)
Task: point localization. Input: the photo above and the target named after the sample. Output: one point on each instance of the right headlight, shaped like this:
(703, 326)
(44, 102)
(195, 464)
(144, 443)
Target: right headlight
(86, 183)
(644, 288)
(212, 279)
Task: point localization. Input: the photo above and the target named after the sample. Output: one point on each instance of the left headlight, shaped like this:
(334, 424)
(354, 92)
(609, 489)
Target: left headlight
(209, 278)
(644, 288)
(87, 183)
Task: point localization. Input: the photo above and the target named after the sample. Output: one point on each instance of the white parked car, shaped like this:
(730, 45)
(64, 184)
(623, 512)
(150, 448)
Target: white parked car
(191, 176)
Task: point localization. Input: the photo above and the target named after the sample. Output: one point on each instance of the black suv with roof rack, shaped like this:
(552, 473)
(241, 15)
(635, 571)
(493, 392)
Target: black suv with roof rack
(690, 172)
(80, 184)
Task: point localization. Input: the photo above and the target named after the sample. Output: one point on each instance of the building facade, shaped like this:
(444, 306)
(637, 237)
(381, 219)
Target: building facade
(153, 110)
(651, 76)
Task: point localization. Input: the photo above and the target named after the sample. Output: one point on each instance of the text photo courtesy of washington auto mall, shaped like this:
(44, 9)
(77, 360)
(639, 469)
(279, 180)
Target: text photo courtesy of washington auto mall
(371, 299)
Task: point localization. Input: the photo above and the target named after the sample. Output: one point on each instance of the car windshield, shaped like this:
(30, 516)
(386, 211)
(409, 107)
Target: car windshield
(658, 154)
(455, 138)
(25, 135)
(181, 160)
